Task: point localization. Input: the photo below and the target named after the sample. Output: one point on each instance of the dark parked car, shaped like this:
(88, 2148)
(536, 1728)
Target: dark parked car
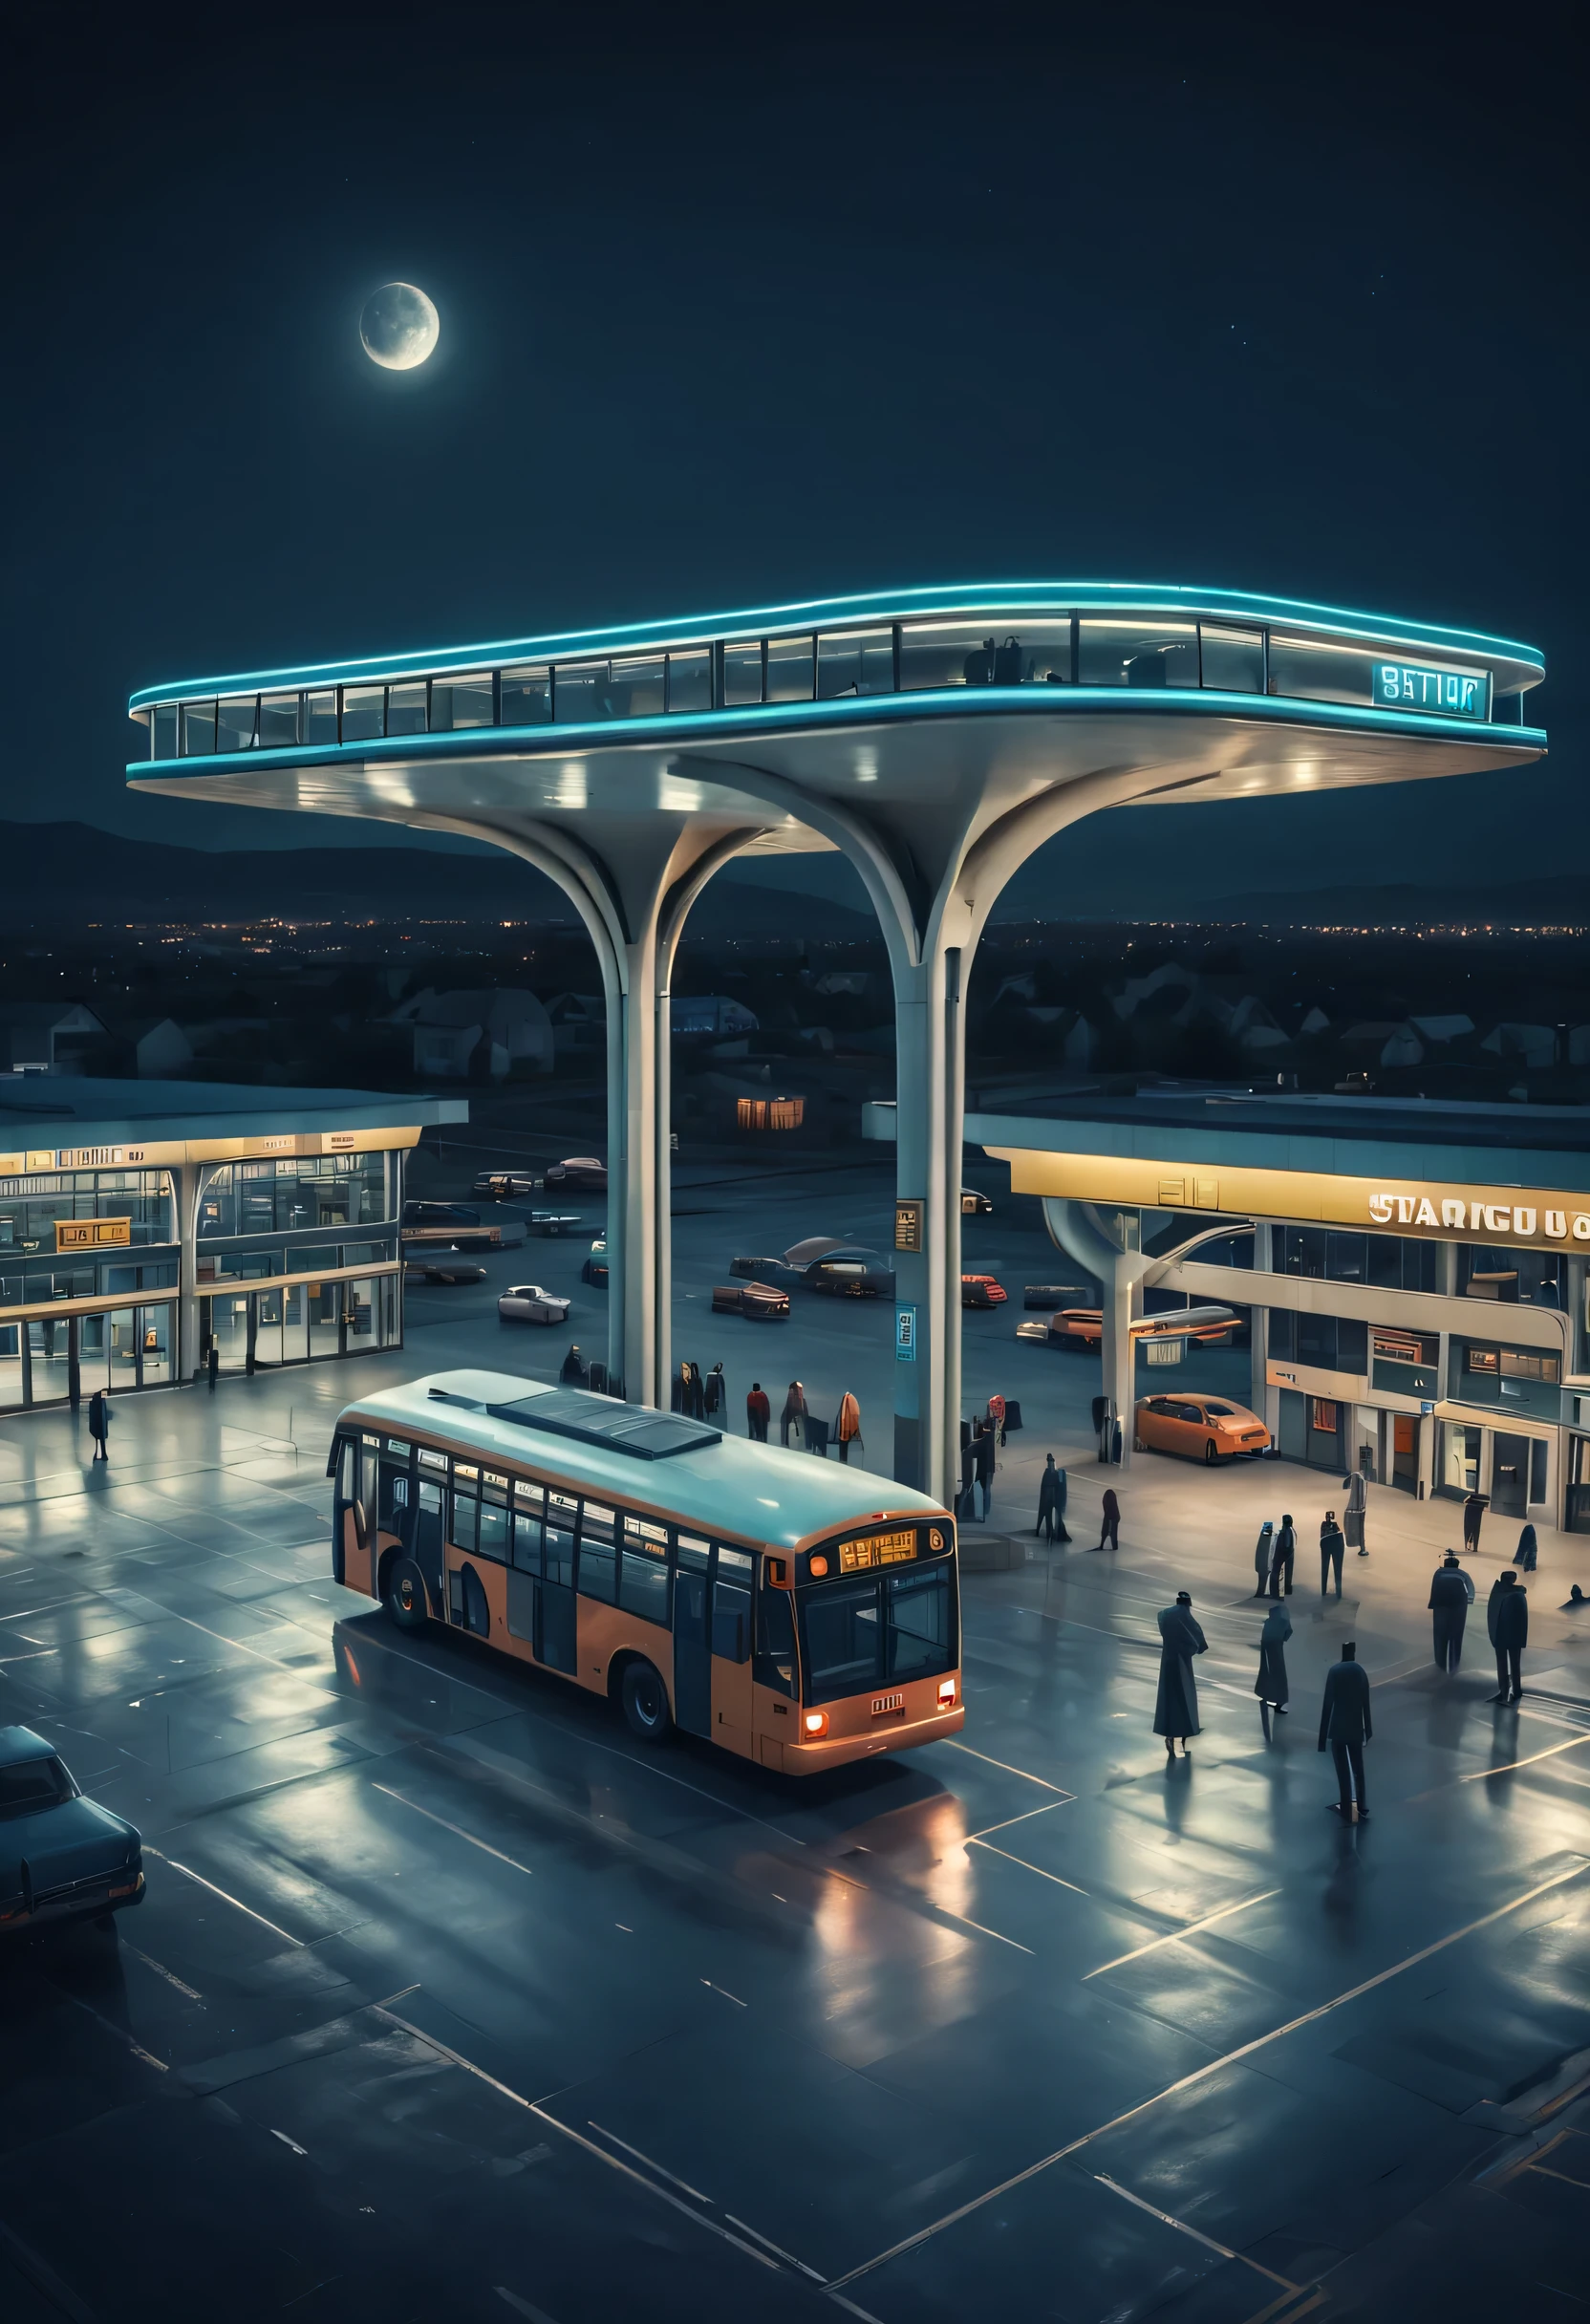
(758, 1301)
(446, 1270)
(775, 1271)
(981, 1291)
(577, 1172)
(451, 1224)
(852, 1273)
(61, 1855)
(595, 1269)
(503, 1185)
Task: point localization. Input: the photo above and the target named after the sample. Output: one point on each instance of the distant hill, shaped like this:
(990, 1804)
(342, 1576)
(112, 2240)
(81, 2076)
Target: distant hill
(1558, 901)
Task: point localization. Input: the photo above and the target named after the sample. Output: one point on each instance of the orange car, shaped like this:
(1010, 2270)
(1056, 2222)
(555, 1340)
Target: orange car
(1200, 1428)
(981, 1291)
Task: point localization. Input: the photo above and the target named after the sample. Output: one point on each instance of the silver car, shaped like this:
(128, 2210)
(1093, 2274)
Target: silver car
(528, 1303)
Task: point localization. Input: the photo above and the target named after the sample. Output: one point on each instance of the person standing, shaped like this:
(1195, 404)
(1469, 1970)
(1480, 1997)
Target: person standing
(1527, 1551)
(1109, 1529)
(997, 1418)
(1264, 1549)
(985, 1444)
(1449, 1593)
(793, 1415)
(1346, 1726)
(846, 1427)
(1287, 1551)
(99, 1424)
(1474, 1508)
(1270, 1686)
(1176, 1703)
(717, 1391)
(1331, 1548)
(1355, 1512)
(1051, 1500)
(758, 1414)
(213, 1365)
(1507, 1619)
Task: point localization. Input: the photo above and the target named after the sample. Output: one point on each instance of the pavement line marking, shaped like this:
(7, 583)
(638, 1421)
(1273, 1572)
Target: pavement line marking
(1006, 1767)
(116, 2032)
(161, 1970)
(725, 1992)
(225, 1897)
(1216, 2065)
(1481, 1775)
(1223, 2250)
(1177, 1935)
(484, 1844)
(1275, 2307)
(965, 1923)
(524, 2307)
(840, 2301)
(1047, 1809)
(1026, 1867)
(787, 2256)
(695, 2191)
(38, 2271)
(1567, 2178)
(456, 2057)
(287, 2141)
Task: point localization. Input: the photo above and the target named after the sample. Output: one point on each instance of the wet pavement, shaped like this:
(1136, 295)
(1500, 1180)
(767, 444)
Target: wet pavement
(447, 1998)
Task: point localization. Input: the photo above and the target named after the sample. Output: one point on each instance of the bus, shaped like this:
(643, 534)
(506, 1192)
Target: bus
(798, 1612)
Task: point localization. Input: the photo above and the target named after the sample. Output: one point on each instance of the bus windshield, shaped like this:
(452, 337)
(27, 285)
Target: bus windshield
(856, 1635)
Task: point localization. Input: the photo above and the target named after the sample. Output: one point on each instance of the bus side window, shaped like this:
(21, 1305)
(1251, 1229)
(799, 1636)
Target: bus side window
(394, 1498)
(731, 1621)
(775, 1661)
(464, 1527)
(598, 1555)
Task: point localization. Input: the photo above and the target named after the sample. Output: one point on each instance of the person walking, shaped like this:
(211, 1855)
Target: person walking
(1449, 1593)
(1270, 1686)
(1474, 1508)
(758, 1414)
(1287, 1551)
(1109, 1528)
(99, 1424)
(1346, 1726)
(1264, 1549)
(1176, 1703)
(793, 1415)
(984, 1445)
(1507, 1619)
(1052, 1489)
(1527, 1551)
(846, 1427)
(717, 1393)
(1331, 1548)
(1355, 1512)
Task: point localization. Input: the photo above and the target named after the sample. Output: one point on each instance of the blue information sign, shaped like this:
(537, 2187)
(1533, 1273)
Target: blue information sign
(1459, 694)
(904, 1335)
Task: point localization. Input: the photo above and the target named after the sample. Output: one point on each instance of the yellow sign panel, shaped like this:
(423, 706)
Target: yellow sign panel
(877, 1549)
(1434, 1210)
(908, 1225)
(92, 1234)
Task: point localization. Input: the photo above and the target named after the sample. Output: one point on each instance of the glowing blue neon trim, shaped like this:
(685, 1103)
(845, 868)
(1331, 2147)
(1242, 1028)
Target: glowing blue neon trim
(937, 599)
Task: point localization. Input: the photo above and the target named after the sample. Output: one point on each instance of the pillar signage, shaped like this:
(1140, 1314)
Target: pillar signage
(1456, 693)
(908, 1224)
(904, 1335)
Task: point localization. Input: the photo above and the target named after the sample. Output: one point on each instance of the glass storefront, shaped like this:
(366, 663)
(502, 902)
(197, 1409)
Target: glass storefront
(300, 1322)
(44, 1358)
(297, 1191)
(31, 1207)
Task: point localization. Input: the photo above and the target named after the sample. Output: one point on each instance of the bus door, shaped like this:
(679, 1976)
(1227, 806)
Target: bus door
(394, 1493)
(430, 1524)
(692, 1636)
(731, 1650)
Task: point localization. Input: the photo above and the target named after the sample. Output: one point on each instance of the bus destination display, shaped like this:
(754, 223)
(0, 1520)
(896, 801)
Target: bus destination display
(877, 1549)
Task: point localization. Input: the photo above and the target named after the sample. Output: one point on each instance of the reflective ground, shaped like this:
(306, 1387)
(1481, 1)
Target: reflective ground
(449, 2000)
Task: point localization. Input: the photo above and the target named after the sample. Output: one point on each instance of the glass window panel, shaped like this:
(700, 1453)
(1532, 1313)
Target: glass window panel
(198, 721)
(527, 1541)
(841, 1637)
(1234, 660)
(528, 697)
(598, 1569)
(635, 687)
(917, 1608)
(363, 713)
(234, 722)
(581, 691)
(165, 730)
(743, 674)
(689, 681)
(406, 708)
(946, 654)
(457, 703)
(558, 1548)
(790, 669)
(644, 1586)
(1320, 673)
(465, 1520)
(278, 722)
(491, 1541)
(856, 661)
(320, 715)
(1136, 652)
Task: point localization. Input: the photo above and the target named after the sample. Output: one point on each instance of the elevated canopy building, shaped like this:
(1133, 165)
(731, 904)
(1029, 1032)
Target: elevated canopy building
(935, 736)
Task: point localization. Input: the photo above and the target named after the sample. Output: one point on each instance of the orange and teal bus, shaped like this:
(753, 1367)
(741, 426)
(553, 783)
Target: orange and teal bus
(797, 1612)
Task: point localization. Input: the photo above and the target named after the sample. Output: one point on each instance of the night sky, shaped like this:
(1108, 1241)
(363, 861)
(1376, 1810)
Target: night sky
(745, 305)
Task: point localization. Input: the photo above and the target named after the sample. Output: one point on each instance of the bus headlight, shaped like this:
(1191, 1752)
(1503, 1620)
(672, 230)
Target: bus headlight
(814, 1723)
(946, 1694)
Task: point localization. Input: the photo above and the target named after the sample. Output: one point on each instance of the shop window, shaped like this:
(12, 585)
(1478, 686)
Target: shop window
(1422, 1348)
(278, 722)
(363, 713)
(690, 680)
(235, 722)
(1232, 660)
(743, 674)
(406, 708)
(1137, 653)
(458, 704)
(855, 661)
(790, 670)
(1323, 1415)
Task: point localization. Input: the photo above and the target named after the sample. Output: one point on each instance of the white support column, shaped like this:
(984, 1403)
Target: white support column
(929, 1114)
(643, 1383)
(1119, 1356)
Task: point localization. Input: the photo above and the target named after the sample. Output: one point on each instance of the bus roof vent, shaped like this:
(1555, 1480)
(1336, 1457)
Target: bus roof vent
(598, 1420)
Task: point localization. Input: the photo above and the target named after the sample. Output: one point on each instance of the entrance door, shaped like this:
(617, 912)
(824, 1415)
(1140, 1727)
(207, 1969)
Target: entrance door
(1405, 1452)
(553, 1642)
(692, 1639)
(428, 1530)
(1509, 1474)
(731, 1650)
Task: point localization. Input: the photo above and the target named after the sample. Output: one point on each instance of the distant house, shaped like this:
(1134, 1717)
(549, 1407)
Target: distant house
(1532, 1045)
(710, 1013)
(457, 1033)
(46, 1036)
(161, 1045)
(578, 1021)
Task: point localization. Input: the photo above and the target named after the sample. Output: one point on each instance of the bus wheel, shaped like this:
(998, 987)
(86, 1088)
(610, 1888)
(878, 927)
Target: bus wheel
(645, 1701)
(404, 1595)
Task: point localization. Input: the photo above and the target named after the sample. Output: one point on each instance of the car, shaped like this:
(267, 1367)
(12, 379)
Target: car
(851, 1273)
(595, 1268)
(1210, 1326)
(554, 1222)
(503, 1185)
(451, 1224)
(1066, 1328)
(1199, 1428)
(578, 1172)
(974, 1205)
(443, 1271)
(758, 1301)
(778, 1271)
(1046, 1296)
(62, 1858)
(982, 1291)
(530, 1303)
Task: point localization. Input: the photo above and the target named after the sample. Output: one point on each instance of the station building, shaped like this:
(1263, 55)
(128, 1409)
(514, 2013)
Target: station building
(142, 1223)
(1416, 1272)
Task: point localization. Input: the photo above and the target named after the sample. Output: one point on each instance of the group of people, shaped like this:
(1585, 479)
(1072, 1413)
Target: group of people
(1451, 1593)
(1053, 1493)
(1345, 1724)
(797, 1424)
(1275, 1551)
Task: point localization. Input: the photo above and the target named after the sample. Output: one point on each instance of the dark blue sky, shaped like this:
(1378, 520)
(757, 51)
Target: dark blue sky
(742, 304)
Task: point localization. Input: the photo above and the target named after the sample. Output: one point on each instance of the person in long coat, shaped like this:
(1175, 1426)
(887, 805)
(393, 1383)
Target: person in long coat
(715, 1390)
(1109, 1525)
(1353, 1516)
(1474, 1508)
(794, 1412)
(573, 1373)
(1527, 1551)
(1346, 1724)
(848, 1425)
(1052, 1492)
(1271, 1685)
(1507, 1619)
(1287, 1551)
(1448, 1606)
(1330, 1553)
(1263, 1549)
(1176, 1703)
